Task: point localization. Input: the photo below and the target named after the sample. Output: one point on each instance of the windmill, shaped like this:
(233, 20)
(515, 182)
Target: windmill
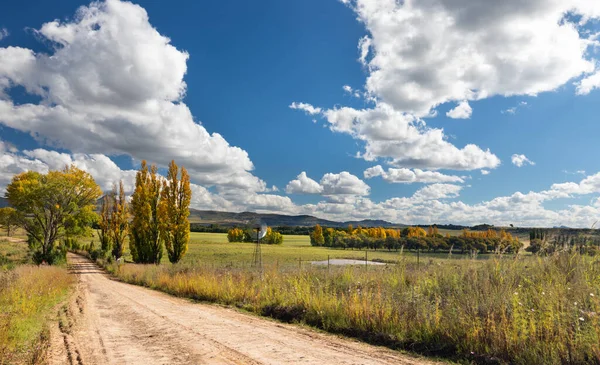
(261, 231)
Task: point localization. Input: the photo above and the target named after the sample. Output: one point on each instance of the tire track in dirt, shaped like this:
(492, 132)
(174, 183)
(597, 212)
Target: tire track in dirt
(110, 322)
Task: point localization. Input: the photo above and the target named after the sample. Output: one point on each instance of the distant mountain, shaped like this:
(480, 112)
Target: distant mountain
(3, 202)
(230, 219)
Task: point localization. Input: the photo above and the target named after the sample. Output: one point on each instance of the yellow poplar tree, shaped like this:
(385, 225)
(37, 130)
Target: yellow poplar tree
(145, 243)
(104, 231)
(173, 212)
(119, 221)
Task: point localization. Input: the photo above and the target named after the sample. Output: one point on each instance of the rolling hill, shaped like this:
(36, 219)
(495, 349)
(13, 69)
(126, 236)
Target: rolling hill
(231, 219)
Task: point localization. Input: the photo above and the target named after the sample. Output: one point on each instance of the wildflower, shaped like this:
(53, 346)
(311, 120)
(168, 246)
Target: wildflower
(516, 293)
(520, 303)
(575, 303)
(591, 294)
(581, 319)
(543, 293)
(533, 310)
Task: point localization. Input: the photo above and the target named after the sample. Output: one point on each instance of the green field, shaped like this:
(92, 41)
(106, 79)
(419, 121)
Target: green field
(213, 249)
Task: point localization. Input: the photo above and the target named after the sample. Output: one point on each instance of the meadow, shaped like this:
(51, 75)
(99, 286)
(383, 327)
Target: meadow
(515, 309)
(28, 298)
(213, 249)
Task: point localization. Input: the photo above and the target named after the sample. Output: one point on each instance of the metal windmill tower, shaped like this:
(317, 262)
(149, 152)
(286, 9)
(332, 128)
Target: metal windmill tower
(261, 231)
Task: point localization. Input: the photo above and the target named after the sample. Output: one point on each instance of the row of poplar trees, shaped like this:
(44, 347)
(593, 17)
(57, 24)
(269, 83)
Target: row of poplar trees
(157, 216)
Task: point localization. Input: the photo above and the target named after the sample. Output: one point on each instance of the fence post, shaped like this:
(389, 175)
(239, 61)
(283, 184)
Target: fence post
(366, 259)
(328, 264)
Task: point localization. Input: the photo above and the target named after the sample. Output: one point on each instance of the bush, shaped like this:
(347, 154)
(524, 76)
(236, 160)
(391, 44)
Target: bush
(236, 235)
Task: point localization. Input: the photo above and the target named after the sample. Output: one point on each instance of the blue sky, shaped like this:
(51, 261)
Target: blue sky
(452, 112)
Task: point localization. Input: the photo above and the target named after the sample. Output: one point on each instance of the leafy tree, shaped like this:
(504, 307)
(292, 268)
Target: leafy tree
(119, 221)
(272, 237)
(173, 211)
(316, 237)
(51, 205)
(8, 219)
(145, 242)
(104, 224)
(236, 235)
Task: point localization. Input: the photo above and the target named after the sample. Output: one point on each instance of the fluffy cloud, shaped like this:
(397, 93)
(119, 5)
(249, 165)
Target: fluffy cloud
(408, 176)
(303, 185)
(588, 84)
(307, 108)
(462, 111)
(421, 54)
(405, 140)
(485, 172)
(111, 85)
(343, 183)
(337, 188)
(521, 160)
(103, 169)
(437, 191)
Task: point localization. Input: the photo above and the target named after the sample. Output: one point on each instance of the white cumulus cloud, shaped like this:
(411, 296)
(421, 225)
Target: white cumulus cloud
(303, 185)
(462, 111)
(421, 54)
(114, 85)
(409, 176)
(521, 160)
(307, 108)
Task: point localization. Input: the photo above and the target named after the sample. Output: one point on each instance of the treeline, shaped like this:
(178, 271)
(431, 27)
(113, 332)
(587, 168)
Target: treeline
(60, 205)
(546, 242)
(415, 238)
(249, 235)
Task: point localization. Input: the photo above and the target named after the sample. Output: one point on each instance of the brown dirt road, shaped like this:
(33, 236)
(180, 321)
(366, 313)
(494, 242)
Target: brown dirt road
(109, 322)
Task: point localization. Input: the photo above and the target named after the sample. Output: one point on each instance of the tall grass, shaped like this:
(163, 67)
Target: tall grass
(27, 296)
(524, 311)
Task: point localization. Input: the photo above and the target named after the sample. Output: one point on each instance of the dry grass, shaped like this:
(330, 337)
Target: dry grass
(27, 296)
(529, 310)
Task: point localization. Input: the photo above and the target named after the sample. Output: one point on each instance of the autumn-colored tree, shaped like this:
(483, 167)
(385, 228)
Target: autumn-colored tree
(173, 212)
(272, 237)
(316, 236)
(8, 219)
(118, 221)
(236, 235)
(415, 232)
(51, 205)
(104, 224)
(145, 243)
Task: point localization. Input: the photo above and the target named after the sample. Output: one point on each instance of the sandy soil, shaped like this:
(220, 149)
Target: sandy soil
(109, 322)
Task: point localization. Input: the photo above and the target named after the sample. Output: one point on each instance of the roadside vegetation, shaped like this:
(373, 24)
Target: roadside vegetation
(493, 307)
(28, 297)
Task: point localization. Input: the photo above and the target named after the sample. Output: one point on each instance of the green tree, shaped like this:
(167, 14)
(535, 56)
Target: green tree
(8, 219)
(174, 209)
(145, 242)
(118, 221)
(51, 205)
(104, 223)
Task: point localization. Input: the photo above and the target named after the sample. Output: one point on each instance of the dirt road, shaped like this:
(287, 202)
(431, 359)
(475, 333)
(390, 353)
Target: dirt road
(110, 322)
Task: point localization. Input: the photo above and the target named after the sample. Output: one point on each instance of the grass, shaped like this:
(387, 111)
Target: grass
(28, 295)
(518, 310)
